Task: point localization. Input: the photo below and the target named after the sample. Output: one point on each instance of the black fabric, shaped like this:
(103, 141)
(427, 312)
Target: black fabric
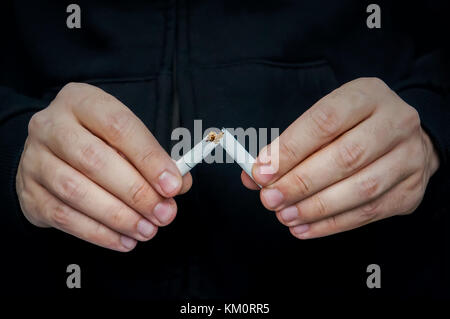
(238, 64)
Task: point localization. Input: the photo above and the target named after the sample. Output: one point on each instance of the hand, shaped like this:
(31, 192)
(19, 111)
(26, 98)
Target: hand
(358, 155)
(92, 169)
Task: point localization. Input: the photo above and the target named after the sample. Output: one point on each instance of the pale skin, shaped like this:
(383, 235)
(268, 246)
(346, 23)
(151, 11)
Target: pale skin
(356, 156)
(92, 169)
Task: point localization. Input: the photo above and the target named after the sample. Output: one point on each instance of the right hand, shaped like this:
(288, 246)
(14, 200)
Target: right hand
(92, 169)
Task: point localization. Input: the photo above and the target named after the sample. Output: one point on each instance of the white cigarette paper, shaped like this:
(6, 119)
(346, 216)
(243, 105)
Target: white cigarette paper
(238, 153)
(195, 156)
(228, 142)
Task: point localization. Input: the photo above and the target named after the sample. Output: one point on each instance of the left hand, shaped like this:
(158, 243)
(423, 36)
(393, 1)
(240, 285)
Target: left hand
(358, 155)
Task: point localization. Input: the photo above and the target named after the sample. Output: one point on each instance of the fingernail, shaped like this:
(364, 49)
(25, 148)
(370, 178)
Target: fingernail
(163, 212)
(272, 197)
(264, 157)
(168, 182)
(128, 242)
(265, 173)
(289, 214)
(300, 229)
(145, 228)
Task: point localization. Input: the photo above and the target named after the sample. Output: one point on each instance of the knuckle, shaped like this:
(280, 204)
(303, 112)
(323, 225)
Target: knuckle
(70, 90)
(408, 201)
(61, 216)
(325, 121)
(148, 156)
(28, 168)
(332, 223)
(93, 158)
(401, 204)
(139, 192)
(349, 156)
(370, 211)
(302, 182)
(34, 123)
(30, 209)
(289, 149)
(364, 92)
(75, 94)
(411, 207)
(368, 187)
(35, 219)
(26, 146)
(97, 235)
(73, 87)
(20, 187)
(414, 154)
(372, 82)
(25, 201)
(70, 190)
(410, 121)
(102, 236)
(28, 163)
(419, 184)
(37, 122)
(95, 98)
(67, 89)
(118, 125)
(320, 207)
(117, 216)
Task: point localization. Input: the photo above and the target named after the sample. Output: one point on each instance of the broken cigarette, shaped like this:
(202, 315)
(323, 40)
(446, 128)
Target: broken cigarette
(228, 142)
(238, 153)
(199, 152)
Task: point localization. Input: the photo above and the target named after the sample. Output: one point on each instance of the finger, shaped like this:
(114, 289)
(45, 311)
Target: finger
(71, 221)
(187, 183)
(105, 166)
(395, 202)
(363, 187)
(349, 153)
(248, 182)
(78, 192)
(109, 119)
(323, 122)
